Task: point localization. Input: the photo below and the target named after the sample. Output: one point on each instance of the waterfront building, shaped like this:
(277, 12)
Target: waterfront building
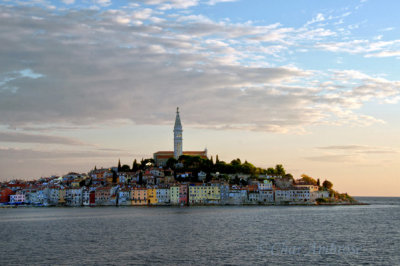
(174, 194)
(31, 197)
(85, 197)
(323, 194)
(74, 196)
(183, 194)
(53, 196)
(302, 195)
(152, 196)
(283, 195)
(293, 194)
(266, 196)
(36, 197)
(124, 197)
(237, 196)
(224, 192)
(163, 195)
(204, 194)
(139, 196)
(103, 196)
(253, 197)
(252, 194)
(17, 198)
(61, 197)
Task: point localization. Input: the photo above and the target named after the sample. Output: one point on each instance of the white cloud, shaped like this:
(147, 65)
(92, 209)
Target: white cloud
(214, 2)
(384, 54)
(369, 48)
(19, 137)
(172, 4)
(68, 2)
(103, 2)
(318, 18)
(113, 66)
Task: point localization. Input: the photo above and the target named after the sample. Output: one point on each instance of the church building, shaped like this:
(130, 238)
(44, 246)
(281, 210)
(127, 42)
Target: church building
(161, 157)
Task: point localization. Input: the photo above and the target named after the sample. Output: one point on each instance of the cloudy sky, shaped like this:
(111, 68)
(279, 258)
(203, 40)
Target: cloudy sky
(314, 85)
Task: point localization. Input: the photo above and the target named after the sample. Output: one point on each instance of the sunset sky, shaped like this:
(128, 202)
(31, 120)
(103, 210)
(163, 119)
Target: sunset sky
(313, 85)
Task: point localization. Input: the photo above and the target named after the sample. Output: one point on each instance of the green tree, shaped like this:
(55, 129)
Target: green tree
(308, 180)
(327, 184)
(248, 168)
(125, 168)
(119, 165)
(271, 171)
(318, 182)
(236, 162)
(114, 178)
(279, 170)
(135, 166)
(140, 181)
(171, 163)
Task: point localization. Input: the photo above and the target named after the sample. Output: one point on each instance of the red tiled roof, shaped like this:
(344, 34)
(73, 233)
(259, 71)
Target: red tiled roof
(184, 152)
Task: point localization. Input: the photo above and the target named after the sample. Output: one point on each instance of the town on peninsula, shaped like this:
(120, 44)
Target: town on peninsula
(181, 178)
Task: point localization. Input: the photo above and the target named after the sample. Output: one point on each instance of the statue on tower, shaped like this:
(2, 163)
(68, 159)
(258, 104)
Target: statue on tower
(177, 136)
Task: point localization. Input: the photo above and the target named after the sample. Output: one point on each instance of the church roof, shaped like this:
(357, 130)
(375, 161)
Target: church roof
(184, 152)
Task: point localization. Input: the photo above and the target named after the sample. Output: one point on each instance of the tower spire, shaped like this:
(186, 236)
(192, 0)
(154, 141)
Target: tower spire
(177, 120)
(177, 135)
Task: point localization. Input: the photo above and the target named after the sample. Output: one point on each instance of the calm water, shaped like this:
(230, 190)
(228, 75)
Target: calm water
(351, 235)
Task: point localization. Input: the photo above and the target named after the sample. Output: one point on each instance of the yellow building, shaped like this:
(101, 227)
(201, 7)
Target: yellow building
(152, 196)
(174, 194)
(109, 179)
(76, 183)
(139, 196)
(202, 194)
(61, 196)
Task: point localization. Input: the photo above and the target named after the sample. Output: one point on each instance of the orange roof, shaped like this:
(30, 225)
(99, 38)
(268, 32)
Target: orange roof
(184, 152)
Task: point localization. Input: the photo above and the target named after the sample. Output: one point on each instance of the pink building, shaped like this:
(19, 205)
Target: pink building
(18, 198)
(183, 194)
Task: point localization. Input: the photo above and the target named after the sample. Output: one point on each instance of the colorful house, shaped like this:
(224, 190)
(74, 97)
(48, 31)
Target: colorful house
(183, 194)
(163, 196)
(74, 196)
(174, 195)
(152, 196)
(17, 198)
(103, 196)
(204, 194)
(124, 197)
(61, 197)
(139, 196)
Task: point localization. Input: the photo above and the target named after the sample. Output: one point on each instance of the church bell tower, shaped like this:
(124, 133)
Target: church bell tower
(177, 136)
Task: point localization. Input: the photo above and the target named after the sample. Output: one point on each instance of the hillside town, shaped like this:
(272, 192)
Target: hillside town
(157, 186)
(172, 178)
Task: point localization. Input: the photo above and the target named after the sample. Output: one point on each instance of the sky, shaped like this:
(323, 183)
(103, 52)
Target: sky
(313, 85)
